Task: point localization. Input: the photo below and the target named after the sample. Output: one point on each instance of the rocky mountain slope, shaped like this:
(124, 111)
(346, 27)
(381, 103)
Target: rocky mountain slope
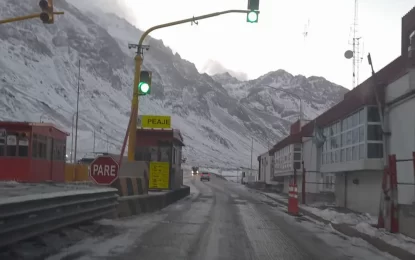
(217, 115)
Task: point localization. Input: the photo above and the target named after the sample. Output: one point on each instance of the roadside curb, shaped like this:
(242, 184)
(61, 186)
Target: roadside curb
(352, 232)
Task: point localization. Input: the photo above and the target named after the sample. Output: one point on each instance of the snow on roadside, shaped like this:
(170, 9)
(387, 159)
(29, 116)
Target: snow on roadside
(276, 196)
(129, 231)
(338, 217)
(397, 240)
(193, 190)
(361, 222)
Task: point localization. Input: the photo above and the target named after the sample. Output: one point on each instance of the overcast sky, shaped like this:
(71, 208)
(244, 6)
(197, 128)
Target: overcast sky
(277, 41)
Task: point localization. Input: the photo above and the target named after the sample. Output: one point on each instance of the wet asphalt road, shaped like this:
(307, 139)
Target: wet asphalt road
(224, 220)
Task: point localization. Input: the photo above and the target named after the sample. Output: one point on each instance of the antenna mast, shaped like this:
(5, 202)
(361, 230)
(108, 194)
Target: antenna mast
(305, 56)
(305, 33)
(356, 45)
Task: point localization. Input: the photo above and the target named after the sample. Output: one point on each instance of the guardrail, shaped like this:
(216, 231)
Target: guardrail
(29, 216)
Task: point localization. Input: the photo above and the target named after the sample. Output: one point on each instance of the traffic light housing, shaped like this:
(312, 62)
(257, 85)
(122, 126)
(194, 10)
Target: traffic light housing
(253, 7)
(144, 87)
(47, 11)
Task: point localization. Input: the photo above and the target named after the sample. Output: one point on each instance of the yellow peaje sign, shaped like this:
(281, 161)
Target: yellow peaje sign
(159, 175)
(149, 121)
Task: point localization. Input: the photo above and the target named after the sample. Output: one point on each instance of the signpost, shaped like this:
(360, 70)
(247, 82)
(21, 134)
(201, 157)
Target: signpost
(104, 170)
(151, 121)
(159, 176)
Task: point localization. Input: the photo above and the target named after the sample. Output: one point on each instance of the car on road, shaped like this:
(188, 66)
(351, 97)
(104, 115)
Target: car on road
(205, 176)
(195, 170)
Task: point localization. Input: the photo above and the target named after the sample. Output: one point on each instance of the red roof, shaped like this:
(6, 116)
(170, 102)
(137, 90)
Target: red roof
(30, 124)
(363, 94)
(175, 133)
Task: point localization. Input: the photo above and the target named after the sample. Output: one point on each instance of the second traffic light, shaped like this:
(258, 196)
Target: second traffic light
(144, 87)
(47, 11)
(253, 7)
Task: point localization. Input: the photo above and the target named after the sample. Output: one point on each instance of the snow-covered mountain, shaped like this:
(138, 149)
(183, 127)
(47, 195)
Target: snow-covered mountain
(217, 115)
(212, 67)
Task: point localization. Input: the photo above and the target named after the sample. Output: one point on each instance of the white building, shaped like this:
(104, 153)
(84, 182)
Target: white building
(249, 175)
(399, 118)
(289, 154)
(264, 172)
(354, 146)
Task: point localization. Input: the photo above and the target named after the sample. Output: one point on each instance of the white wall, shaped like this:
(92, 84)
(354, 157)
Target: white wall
(311, 162)
(362, 197)
(265, 161)
(401, 121)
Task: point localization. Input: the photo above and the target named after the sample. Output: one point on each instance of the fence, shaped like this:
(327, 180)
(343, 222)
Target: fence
(316, 186)
(391, 214)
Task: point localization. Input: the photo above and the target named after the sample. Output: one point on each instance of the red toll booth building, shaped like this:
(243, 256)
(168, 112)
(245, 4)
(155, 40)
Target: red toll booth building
(162, 145)
(32, 152)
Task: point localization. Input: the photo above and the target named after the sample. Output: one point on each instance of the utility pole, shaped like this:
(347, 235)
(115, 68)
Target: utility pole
(252, 150)
(94, 142)
(77, 111)
(107, 144)
(73, 118)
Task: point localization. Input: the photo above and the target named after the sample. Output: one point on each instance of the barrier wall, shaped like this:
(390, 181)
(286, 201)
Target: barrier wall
(130, 186)
(129, 206)
(76, 172)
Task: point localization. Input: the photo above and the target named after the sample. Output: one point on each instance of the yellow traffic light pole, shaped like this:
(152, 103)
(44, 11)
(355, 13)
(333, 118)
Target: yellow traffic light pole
(26, 17)
(132, 128)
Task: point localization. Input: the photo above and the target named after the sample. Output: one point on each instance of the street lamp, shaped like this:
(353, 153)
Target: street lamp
(73, 119)
(292, 94)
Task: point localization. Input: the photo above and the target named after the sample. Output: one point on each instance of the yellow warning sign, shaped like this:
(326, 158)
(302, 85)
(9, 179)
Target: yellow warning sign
(149, 121)
(159, 175)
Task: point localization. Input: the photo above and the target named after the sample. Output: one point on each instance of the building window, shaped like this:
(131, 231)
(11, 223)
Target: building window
(359, 137)
(174, 155)
(372, 114)
(23, 145)
(142, 153)
(2, 146)
(344, 138)
(374, 150)
(39, 146)
(56, 149)
(374, 133)
(283, 158)
(165, 153)
(297, 165)
(11, 144)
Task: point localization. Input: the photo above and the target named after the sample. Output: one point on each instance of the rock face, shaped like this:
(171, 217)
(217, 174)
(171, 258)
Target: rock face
(218, 115)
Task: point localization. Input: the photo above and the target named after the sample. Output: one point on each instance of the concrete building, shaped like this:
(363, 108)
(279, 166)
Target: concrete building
(373, 120)
(264, 170)
(399, 108)
(298, 152)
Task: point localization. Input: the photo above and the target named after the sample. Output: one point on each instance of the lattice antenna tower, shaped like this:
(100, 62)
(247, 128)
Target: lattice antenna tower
(306, 27)
(305, 55)
(356, 43)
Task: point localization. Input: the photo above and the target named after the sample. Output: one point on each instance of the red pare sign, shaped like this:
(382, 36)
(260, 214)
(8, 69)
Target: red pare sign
(104, 170)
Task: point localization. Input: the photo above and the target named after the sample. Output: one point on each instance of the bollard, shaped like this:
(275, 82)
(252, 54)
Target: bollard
(293, 200)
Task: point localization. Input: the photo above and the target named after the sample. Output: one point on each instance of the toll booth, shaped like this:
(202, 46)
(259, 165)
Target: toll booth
(162, 149)
(32, 152)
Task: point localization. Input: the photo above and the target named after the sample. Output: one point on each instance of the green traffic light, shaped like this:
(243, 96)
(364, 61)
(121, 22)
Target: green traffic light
(252, 17)
(144, 87)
